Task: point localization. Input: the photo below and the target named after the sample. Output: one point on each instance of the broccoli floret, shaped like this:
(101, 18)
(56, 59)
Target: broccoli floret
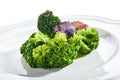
(90, 37)
(85, 40)
(89, 40)
(26, 50)
(39, 54)
(36, 39)
(39, 36)
(46, 22)
(56, 54)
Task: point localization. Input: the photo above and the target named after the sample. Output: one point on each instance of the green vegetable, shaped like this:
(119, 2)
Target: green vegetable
(57, 54)
(36, 39)
(89, 40)
(46, 22)
(26, 50)
(44, 50)
(41, 51)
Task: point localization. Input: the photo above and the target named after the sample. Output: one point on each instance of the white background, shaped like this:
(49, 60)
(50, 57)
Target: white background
(15, 11)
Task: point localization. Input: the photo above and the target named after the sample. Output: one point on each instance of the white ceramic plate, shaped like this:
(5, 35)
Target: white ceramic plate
(102, 63)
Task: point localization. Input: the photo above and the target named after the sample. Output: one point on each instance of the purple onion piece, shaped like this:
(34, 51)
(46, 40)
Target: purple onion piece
(65, 27)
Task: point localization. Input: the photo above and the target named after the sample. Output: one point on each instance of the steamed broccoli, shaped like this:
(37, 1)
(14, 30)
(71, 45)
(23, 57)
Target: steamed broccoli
(58, 53)
(89, 40)
(36, 39)
(46, 22)
(26, 50)
(54, 53)
(45, 50)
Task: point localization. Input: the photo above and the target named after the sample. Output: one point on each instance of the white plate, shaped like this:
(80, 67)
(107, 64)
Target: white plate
(102, 63)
